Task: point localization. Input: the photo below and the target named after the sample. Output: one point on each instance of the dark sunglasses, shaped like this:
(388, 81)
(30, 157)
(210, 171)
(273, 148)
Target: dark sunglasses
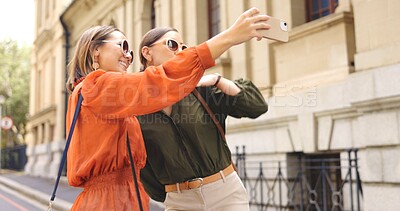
(172, 45)
(124, 47)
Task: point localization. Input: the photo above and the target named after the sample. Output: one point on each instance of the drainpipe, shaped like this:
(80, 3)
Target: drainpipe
(67, 46)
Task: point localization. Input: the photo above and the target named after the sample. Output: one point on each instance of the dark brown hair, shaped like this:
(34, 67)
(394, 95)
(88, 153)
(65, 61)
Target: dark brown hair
(149, 38)
(81, 62)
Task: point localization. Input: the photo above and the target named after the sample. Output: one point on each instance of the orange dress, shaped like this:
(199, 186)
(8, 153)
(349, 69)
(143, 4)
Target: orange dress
(97, 158)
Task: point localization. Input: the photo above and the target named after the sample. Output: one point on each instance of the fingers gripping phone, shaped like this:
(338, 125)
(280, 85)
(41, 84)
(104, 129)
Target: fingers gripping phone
(278, 30)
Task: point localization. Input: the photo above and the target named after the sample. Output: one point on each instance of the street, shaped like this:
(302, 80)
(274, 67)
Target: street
(11, 200)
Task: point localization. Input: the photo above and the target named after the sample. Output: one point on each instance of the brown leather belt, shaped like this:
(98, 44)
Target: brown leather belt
(198, 182)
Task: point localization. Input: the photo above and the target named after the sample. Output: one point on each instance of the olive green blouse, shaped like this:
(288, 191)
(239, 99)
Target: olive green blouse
(186, 144)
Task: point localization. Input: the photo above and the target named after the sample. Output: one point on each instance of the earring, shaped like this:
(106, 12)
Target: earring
(95, 65)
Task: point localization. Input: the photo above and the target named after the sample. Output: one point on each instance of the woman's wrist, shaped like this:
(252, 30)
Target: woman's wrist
(218, 79)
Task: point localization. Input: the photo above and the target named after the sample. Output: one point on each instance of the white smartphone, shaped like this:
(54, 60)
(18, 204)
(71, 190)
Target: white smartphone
(278, 30)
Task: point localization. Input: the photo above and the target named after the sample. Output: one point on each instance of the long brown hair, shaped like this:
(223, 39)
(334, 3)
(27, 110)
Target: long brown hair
(149, 38)
(81, 63)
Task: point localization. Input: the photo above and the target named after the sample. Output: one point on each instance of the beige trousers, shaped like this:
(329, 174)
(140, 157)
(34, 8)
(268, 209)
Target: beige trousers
(227, 194)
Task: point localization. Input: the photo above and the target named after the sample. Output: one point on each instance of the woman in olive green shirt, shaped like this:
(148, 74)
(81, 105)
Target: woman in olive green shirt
(188, 162)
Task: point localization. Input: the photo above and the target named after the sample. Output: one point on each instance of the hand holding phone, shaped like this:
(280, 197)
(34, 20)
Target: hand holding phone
(278, 30)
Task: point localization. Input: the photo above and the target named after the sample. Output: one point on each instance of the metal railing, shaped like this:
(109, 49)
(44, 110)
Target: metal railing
(301, 182)
(14, 158)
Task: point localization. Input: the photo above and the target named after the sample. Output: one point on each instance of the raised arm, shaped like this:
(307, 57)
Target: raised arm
(161, 86)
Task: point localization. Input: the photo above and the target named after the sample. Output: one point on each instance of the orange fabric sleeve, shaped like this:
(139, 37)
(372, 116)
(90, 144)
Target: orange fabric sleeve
(119, 95)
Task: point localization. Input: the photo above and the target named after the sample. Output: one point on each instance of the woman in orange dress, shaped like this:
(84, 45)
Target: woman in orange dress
(98, 159)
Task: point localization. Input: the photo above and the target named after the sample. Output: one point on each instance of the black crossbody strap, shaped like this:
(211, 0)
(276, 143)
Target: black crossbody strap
(134, 174)
(64, 157)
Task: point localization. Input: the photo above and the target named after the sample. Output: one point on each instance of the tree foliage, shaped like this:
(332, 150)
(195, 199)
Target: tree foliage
(14, 81)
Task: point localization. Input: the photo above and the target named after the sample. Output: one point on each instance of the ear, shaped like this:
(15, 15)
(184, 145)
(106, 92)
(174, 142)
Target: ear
(147, 54)
(96, 53)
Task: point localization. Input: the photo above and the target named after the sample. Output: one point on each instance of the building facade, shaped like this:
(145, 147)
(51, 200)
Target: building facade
(334, 86)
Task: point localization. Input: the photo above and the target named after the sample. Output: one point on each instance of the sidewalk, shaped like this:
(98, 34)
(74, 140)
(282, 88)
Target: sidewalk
(40, 189)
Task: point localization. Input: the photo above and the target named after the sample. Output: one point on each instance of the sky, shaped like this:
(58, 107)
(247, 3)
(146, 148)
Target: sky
(17, 20)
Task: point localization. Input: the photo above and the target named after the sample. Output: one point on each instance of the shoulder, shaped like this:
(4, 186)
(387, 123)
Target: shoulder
(99, 77)
(94, 75)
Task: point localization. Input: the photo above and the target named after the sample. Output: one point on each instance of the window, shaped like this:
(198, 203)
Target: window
(214, 18)
(153, 15)
(320, 8)
(323, 175)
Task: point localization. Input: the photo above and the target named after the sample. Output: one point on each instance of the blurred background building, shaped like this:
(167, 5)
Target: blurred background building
(333, 91)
